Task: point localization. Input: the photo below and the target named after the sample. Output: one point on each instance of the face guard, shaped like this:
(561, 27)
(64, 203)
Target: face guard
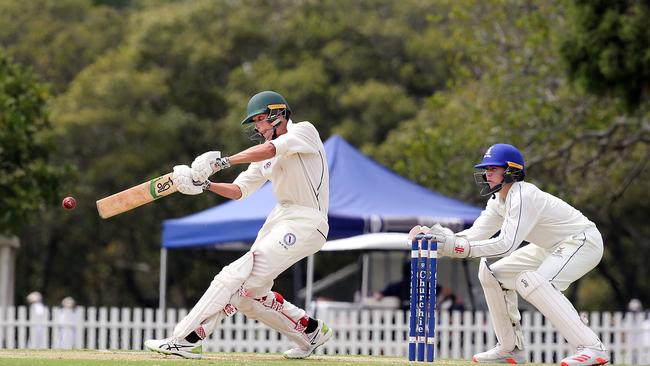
(274, 112)
(514, 172)
(253, 134)
(481, 180)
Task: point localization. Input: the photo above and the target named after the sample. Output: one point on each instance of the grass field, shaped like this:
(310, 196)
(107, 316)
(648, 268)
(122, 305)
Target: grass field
(145, 358)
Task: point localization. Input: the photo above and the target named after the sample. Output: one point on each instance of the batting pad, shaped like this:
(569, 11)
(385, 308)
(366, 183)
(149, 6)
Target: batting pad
(210, 324)
(504, 312)
(555, 307)
(277, 313)
(217, 296)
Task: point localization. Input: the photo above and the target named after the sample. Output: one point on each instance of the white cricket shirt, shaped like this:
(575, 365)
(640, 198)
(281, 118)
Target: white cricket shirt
(529, 214)
(298, 171)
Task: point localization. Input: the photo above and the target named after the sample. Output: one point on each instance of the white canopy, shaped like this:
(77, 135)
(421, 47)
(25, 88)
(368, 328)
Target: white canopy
(373, 241)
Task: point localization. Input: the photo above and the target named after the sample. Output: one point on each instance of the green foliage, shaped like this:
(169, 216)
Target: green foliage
(583, 149)
(28, 181)
(120, 128)
(607, 47)
(58, 38)
(371, 110)
(422, 86)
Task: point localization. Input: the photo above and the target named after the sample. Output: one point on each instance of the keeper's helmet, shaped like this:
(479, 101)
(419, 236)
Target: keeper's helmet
(503, 155)
(267, 102)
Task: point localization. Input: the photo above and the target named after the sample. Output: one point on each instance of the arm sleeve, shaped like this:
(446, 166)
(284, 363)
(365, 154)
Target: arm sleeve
(250, 180)
(520, 218)
(301, 138)
(486, 225)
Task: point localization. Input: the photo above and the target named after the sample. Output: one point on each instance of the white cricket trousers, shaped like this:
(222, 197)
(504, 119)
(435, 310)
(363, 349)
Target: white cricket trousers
(290, 233)
(561, 265)
(539, 274)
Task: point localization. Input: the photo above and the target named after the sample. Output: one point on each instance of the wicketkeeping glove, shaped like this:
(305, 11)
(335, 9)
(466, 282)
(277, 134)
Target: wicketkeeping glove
(449, 245)
(417, 229)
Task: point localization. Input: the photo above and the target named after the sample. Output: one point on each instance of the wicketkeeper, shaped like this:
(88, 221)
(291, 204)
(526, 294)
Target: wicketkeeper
(291, 156)
(563, 246)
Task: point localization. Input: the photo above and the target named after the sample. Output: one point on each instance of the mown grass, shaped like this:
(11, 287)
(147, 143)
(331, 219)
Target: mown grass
(145, 358)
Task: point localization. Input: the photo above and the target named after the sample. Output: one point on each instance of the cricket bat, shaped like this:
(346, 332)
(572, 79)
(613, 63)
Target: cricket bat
(136, 196)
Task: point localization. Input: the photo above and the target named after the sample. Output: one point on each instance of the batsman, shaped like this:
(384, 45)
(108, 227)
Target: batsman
(291, 156)
(563, 246)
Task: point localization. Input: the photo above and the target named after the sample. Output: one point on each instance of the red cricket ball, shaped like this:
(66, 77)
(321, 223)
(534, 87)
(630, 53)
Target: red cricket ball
(69, 203)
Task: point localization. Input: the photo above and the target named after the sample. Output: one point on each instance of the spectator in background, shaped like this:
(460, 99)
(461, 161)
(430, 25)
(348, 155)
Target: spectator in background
(635, 306)
(446, 298)
(67, 322)
(449, 301)
(400, 289)
(38, 320)
(639, 337)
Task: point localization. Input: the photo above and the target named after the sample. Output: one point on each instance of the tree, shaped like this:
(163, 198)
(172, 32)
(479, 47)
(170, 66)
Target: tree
(28, 181)
(584, 149)
(423, 86)
(58, 38)
(179, 87)
(606, 48)
(118, 125)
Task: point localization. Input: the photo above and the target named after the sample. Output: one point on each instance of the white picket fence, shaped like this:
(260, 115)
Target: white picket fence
(357, 332)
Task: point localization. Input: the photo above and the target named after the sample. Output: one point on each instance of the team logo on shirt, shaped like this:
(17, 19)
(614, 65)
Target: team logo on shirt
(267, 165)
(288, 240)
(524, 282)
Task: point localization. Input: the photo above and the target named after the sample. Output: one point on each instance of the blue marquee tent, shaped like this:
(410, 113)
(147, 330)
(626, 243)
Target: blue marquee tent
(365, 197)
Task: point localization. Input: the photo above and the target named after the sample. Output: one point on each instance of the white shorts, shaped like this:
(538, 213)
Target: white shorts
(289, 234)
(560, 265)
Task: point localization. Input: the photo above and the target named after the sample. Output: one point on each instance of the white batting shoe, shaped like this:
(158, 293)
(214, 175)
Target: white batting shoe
(498, 355)
(587, 356)
(170, 346)
(317, 338)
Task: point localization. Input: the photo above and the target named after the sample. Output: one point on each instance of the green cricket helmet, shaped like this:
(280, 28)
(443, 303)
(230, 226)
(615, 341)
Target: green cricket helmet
(266, 102)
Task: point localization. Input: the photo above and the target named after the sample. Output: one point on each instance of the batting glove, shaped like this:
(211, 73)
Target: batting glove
(182, 178)
(207, 164)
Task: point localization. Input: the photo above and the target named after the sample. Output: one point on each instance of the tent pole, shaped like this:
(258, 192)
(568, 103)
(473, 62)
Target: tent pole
(162, 282)
(309, 283)
(365, 275)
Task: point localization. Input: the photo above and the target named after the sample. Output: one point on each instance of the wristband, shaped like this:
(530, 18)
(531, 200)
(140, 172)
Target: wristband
(204, 185)
(222, 163)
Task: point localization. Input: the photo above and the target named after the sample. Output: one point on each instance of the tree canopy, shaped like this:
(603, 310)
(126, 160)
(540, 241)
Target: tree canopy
(607, 48)
(422, 86)
(27, 178)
